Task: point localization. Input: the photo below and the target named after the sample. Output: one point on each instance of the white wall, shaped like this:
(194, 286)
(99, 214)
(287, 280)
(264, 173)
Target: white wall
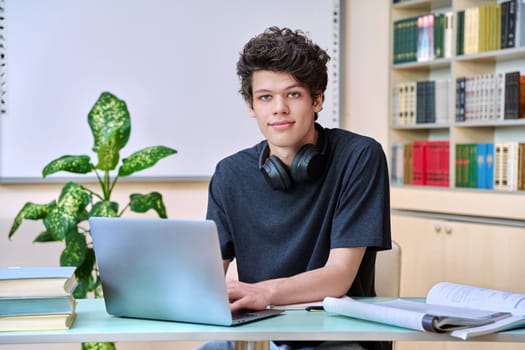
(366, 100)
(366, 68)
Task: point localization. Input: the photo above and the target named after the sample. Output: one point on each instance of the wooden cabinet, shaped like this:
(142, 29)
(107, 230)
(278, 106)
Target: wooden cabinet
(438, 248)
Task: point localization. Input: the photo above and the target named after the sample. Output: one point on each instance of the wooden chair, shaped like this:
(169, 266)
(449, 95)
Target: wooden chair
(388, 272)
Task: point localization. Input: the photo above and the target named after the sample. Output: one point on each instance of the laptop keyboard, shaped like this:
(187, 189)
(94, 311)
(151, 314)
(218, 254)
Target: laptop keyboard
(249, 313)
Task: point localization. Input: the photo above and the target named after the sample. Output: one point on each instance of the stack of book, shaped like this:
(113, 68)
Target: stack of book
(422, 162)
(418, 102)
(498, 166)
(422, 38)
(37, 298)
(491, 26)
(490, 96)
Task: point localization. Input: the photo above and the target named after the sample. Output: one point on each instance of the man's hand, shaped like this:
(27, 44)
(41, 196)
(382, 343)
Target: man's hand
(253, 296)
(334, 279)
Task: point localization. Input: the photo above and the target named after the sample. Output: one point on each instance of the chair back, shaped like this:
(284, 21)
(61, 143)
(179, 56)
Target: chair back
(388, 272)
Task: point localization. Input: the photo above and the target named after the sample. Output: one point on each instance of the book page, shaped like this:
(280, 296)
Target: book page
(375, 312)
(499, 325)
(439, 310)
(453, 294)
(418, 315)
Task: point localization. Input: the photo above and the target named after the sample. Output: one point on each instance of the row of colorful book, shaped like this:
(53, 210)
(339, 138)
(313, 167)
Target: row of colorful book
(498, 166)
(421, 162)
(37, 298)
(491, 26)
(418, 102)
(422, 38)
(487, 27)
(490, 96)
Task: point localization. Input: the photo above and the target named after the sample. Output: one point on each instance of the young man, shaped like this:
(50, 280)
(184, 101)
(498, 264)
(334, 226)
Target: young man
(303, 212)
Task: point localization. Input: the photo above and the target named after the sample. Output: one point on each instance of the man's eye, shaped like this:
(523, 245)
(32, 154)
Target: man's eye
(265, 97)
(294, 94)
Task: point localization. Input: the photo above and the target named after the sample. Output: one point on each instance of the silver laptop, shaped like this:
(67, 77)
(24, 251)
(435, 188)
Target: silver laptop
(164, 269)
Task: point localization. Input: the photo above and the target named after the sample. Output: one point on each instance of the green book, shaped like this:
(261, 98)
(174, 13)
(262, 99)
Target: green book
(405, 40)
(460, 33)
(472, 180)
(439, 35)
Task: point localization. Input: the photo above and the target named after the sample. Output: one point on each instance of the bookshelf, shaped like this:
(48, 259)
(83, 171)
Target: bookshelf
(449, 230)
(484, 128)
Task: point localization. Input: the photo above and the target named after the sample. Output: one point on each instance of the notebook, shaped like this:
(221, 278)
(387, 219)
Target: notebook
(164, 269)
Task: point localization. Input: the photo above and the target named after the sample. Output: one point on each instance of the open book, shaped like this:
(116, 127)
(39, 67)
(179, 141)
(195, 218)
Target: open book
(462, 311)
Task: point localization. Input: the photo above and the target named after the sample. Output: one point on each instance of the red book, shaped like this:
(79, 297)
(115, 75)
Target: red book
(445, 164)
(437, 163)
(419, 176)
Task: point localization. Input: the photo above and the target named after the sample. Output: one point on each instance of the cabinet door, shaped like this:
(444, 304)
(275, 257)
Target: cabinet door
(485, 255)
(422, 253)
(434, 250)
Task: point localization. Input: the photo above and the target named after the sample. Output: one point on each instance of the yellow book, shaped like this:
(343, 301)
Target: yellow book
(482, 28)
(475, 30)
(36, 322)
(497, 27)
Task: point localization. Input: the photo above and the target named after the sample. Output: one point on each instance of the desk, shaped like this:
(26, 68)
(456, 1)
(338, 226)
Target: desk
(93, 324)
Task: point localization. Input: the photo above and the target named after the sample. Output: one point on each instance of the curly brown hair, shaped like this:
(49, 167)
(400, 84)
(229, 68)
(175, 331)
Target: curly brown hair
(283, 50)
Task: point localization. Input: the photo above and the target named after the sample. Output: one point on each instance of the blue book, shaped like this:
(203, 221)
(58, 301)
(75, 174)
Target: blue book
(489, 163)
(482, 167)
(24, 306)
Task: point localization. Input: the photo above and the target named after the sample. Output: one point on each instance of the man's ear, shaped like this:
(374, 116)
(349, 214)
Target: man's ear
(249, 105)
(318, 102)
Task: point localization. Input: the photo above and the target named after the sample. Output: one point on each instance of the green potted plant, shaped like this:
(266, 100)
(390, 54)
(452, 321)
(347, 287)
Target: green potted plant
(65, 219)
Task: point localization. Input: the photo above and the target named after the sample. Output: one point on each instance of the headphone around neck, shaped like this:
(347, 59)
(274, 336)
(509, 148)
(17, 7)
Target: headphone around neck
(307, 166)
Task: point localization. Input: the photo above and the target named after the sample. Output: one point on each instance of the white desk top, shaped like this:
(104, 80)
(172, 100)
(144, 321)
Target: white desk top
(94, 324)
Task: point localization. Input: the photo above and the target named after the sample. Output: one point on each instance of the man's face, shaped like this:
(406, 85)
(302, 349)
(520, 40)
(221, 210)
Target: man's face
(284, 110)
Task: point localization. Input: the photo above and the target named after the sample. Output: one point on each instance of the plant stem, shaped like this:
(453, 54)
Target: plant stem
(105, 186)
(123, 210)
(92, 192)
(113, 184)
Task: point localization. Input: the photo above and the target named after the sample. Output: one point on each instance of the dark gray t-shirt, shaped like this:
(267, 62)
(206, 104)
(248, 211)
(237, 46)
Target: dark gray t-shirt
(276, 233)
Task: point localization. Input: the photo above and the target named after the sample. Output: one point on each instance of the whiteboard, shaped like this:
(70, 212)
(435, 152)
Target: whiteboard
(173, 62)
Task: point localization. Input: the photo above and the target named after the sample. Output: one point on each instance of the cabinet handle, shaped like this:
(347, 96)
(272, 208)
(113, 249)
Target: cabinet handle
(448, 230)
(437, 228)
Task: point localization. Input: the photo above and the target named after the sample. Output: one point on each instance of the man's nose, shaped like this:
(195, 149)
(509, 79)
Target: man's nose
(281, 106)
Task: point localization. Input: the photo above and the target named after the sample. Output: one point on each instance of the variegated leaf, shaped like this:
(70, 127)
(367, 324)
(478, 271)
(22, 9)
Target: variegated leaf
(109, 153)
(109, 114)
(73, 164)
(59, 222)
(144, 159)
(98, 346)
(84, 274)
(75, 251)
(30, 211)
(45, 237)
(74, 197)
(104, 209)
(82, 289)
(141, 203)
(71, 205)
